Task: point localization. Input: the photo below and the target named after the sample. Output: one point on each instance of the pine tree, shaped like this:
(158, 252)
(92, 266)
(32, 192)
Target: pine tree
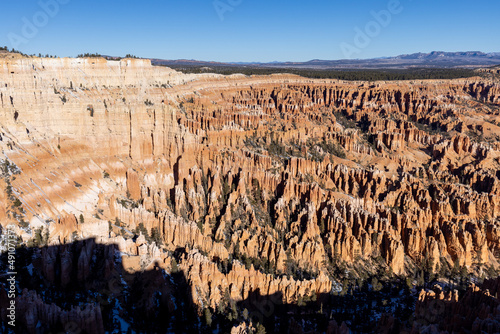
(208, 317)
(260, 329)
(174, 266)
(46, 236)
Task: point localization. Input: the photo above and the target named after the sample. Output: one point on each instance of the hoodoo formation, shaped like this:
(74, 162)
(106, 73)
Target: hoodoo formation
(154, 200)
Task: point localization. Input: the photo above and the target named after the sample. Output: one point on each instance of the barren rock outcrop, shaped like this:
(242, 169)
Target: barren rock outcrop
(478, 311)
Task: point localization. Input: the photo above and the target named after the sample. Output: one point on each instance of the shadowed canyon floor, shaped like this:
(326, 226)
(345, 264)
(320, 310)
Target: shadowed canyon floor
(271, 201)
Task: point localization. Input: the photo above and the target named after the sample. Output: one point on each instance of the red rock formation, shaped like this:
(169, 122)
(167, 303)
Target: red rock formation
(297, 172)
(34, 315)
(478, 311)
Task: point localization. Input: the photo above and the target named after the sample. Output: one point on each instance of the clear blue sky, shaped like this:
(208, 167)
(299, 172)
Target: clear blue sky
(253, 30)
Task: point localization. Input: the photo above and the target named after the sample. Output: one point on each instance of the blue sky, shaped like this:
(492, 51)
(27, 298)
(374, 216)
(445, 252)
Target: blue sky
(249, 30)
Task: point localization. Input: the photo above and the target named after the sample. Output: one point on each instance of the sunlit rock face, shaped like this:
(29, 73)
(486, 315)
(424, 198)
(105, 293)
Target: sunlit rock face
(261, 182)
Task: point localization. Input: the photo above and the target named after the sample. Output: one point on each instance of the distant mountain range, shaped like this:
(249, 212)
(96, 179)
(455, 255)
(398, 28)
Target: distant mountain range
(435, 59)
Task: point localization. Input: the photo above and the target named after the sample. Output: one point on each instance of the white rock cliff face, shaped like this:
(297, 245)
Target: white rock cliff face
(63, 119)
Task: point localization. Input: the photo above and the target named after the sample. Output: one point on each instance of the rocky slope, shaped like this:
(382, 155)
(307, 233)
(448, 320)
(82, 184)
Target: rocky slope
(478, 311)
(247, 184)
